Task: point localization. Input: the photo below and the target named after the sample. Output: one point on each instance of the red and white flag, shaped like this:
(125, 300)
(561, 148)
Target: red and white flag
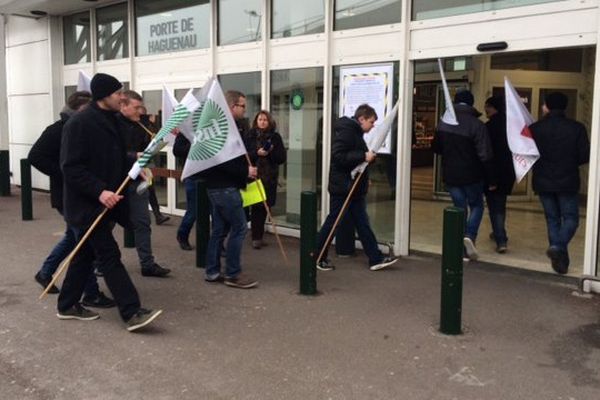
(520, 139)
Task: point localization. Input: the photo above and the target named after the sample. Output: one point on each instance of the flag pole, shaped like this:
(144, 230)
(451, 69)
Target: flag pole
(271, 220)
(339, 217)
(148, 131)
(65, 265)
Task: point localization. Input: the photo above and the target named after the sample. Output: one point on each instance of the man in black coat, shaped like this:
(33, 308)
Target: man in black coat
(503, 170)
(45, 156)
(348, 151)
(563, 145)
(94, 161)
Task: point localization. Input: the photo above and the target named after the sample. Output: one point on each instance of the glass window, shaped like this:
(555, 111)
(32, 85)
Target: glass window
(240, 21)
(558, 60)
(165, 26)
(248, 83)
(350, 14)
(153, 104)
(293, 18)
(76, 37)
(426, 9)
(297, 106)
(111, 31)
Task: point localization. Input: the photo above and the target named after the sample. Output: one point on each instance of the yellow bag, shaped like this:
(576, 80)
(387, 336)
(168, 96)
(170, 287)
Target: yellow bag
(252, 194)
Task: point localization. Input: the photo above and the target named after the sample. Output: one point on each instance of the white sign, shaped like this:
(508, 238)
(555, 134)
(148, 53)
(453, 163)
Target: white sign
(372, 85)
(174, 30)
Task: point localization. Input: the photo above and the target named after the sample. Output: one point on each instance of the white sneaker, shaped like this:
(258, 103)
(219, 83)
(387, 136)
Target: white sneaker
(470, 249)
(386, 262)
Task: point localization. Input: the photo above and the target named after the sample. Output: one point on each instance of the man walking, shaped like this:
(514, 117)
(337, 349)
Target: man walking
(348, 151)
(466, 164)
(563, 145)
(93, 162)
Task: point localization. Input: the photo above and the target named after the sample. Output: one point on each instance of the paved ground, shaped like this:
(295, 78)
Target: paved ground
(368, 335)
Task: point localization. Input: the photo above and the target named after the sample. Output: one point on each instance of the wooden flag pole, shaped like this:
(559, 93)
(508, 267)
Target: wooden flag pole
(65, 265)
(339, 217)
(271, 220)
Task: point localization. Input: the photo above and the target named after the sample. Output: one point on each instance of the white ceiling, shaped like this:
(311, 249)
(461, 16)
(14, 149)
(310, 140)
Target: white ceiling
(52, 7)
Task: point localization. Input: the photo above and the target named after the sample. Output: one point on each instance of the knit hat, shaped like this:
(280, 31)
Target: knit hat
(497, 102)
(464, 96)
(556, 101)
(103, 85)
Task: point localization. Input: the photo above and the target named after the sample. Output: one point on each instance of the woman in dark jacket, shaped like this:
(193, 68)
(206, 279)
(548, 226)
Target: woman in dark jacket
(266, 151)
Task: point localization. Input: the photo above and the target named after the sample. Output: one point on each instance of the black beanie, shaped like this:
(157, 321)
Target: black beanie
(556, 101)
(103, 85)
(464, 96)
(497, 102)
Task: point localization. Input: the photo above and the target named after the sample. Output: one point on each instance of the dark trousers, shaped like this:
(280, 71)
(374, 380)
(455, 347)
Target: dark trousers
(496, 203)
(100, 245)
(153, 201)
(258, 213)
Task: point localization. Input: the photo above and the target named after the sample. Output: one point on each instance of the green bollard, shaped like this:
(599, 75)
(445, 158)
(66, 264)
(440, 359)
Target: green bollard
(128, 238)
(202, 222)
(26, 199)
(308, 242)
(4, 173)
(452, 271)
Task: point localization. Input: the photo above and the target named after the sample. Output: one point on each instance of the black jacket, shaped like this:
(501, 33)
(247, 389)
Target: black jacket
(268, 166)
(136, 139)
(347, 152)
(45, 157)
(563, 145)
(502, 162)
(92, 159)
(465, 149)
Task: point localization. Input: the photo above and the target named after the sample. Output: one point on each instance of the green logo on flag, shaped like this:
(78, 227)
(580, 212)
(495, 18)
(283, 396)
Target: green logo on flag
(210, 130)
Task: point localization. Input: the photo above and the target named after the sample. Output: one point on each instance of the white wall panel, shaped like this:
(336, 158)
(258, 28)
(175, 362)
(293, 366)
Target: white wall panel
(28, 69)
(192, 68)
(119, 69)
(25, 30)
(232, 59)
(71, 73)
(297, 54)
(350, 47)
(29, 116)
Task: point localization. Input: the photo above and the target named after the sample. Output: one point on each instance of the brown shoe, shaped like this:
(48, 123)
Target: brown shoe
(241, 282)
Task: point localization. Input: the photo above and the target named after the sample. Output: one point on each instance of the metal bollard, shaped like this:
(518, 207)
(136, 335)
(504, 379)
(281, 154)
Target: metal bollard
(202, 222)
(26, 199)
(452, 271)
(308, 242)
(4, 173)
(128, 238)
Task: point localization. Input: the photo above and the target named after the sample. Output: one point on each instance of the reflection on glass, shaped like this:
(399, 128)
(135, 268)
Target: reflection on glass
(153, 104)
(293, 18)
(301, 127)
(165, 26)
(351, 14)
(248, 83)
(76, 38)
(111, 31)
(426, 9)
(240, 21)
(558, 60)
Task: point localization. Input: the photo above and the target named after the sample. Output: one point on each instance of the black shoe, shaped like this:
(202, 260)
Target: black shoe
(155, 270)
(79, 313)
(184, 244)
(45, 282)
(325, 265)
(142, 318)
(161, 219)
(99, 301)
(558, 260)
(218, 279)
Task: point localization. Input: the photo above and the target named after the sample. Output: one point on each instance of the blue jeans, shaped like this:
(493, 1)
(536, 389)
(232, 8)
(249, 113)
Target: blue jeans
(183, 233)
(227, 216)
(357, 210)
(60, 251)
(496, 203)
(470, 199)
(562, 217)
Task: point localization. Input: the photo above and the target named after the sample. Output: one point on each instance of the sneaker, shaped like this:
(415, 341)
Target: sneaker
(99, 301)
(470, 248)
(161, 219)
(325, 265)
(256, 244)
(241, 282)
(346, 255)
(155, 270)
(218, 279)
(386, 262)
(492, 236)
(142, 318)
(501, 248)
(79, 313)
(45, 282)
(184, 244)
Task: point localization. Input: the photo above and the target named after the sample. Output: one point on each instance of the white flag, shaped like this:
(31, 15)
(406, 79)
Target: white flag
(449, 116)
(520, 139)
(215, 138)
(379, 135)
(169, 102)
(84, 82)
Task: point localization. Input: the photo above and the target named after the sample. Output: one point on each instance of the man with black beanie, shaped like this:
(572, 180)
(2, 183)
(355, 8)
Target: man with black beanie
(563, 145)
(93, 162)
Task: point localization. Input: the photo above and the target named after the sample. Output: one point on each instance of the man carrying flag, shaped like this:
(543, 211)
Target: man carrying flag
(563, 146)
